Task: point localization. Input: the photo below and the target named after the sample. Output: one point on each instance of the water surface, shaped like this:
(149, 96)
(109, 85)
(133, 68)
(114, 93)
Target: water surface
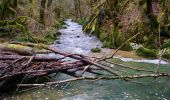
(73, 40)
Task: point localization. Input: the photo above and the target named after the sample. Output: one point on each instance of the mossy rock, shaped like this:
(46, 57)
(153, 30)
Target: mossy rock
(166, 44)
(151, 53)
(96, 50)
(166, 55)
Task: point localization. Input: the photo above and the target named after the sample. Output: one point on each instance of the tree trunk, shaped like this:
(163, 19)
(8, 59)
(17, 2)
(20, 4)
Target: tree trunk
(42, 11)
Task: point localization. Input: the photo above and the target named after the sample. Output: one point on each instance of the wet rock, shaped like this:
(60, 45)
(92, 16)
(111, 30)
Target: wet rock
(57, 42)
(58, 33)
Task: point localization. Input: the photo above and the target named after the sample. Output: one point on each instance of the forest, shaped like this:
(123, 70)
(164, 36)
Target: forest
(62, 46)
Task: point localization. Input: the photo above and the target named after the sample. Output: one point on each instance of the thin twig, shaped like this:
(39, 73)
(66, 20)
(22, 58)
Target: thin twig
(160, 59)
(120, 47)
(93, 78)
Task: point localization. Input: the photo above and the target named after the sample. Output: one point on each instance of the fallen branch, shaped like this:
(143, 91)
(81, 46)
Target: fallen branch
(93, 78)
(82, 59)
(16, 67)
(160, 59)
(37, 58)
(119, 48)
(78, 57)
(137, 69)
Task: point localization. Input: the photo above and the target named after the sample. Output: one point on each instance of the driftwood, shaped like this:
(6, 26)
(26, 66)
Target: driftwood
(36, 58)
(20, 63)
(94, 79)
(25, 50)
(20, 67)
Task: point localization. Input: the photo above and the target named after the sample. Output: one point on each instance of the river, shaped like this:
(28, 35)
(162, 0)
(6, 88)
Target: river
(73, 40)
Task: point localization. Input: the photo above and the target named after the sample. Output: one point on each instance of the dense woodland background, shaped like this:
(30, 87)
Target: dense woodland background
(112, 21)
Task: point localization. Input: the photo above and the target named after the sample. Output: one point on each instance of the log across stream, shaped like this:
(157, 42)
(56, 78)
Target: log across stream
(72, 76)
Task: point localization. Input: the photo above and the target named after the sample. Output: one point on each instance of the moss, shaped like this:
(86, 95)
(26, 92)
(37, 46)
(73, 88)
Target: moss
(102, 36)
(23, 39)
(167, 54)
(96, 50)
(17, 48)
(151, 53)
(59, 24)
(83, 21)
(11, 27)
(114, 40)
(107, 44)
(150, 42)
(127, 47)
(63, 27)
(166, 44)
(5, 34)
(47, 38)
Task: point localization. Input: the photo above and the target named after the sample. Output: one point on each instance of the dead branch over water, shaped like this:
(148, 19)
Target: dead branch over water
(21, 67)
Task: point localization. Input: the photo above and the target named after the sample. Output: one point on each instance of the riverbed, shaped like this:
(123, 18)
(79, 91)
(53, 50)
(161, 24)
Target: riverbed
(74, 40)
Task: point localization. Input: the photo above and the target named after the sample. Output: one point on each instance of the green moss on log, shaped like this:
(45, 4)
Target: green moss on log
(17, 48)
(151, 53)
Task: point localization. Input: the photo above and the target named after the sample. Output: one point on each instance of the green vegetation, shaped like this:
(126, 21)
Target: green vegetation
(112, 21)
(150, 53)
(167, 54)
(29, 21)
(96, 50)
(166, 44)
(115, 21)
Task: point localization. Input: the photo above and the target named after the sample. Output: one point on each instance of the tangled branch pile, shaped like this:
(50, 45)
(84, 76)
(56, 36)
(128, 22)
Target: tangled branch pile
(21, 65)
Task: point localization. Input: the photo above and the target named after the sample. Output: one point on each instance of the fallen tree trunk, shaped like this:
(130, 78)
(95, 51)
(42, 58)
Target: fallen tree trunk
(26, 65)
(20, 49)
(36, 58)
(19, 69)
(78, 57)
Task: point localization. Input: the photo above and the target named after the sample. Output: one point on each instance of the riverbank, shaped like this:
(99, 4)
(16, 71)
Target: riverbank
(73, 40)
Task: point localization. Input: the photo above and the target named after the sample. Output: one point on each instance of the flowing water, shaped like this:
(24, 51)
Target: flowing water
(73, 40)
